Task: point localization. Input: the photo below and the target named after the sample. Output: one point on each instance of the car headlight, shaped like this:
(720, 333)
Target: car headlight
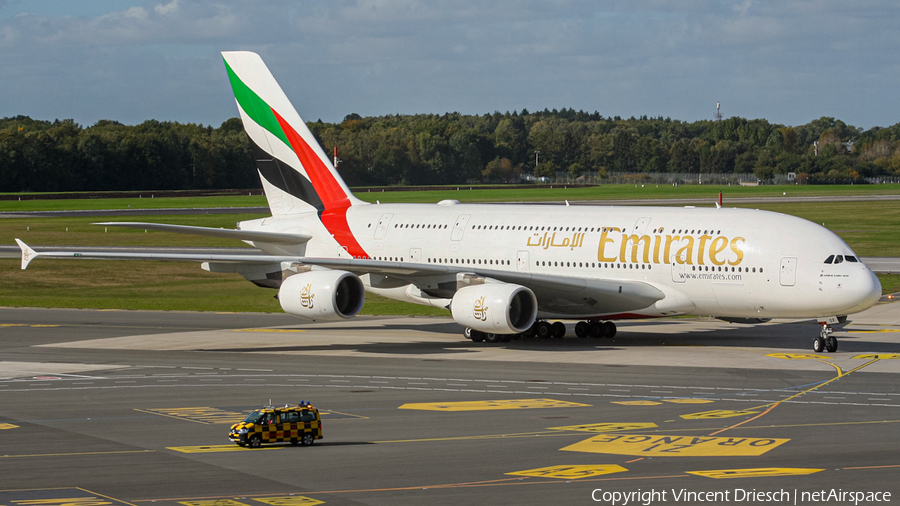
(242, 431)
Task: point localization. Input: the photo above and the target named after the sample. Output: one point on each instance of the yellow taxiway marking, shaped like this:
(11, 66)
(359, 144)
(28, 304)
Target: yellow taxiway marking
(291, 500)
(879, 331)
(199, 414)
(717, 413)
(218, 448)
(33, 325)
(760, 472)
(219, 502)
(879, 356)
(771, 406)
(571, 472)
(797, 356)
(73, 454)
(689, 401)
(637, 403)
(606, 427)
(4, 426)
(656, 445)
(493, 405)
(268, 330)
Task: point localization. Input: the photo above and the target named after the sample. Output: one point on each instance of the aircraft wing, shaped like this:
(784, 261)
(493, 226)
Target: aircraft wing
(29, 254)
(244, 235)
(556, 294)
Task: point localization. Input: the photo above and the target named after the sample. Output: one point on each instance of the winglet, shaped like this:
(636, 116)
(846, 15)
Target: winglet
(28, 254)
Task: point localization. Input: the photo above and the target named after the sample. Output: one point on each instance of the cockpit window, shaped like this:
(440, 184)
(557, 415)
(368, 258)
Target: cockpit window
(838, 259)
(829, 259)
(850, 258)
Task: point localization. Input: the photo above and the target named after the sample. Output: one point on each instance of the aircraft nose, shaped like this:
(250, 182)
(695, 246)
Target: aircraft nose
(868, 289)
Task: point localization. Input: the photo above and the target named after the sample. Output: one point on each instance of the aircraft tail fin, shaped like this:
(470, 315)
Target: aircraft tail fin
(28, 253)
(296, 173)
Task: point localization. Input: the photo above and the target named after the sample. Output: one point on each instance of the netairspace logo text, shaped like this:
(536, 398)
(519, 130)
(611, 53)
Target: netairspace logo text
(738, 496)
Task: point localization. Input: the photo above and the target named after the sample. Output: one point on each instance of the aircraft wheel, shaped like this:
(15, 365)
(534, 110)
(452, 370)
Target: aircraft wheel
(582, 329)
(831, 344)
(477, 336)
(609, 329)
(559, 330)
(467, 333)
(543, 330)
(819, 345)
(505, 338)
(491, 337)
(595, 330)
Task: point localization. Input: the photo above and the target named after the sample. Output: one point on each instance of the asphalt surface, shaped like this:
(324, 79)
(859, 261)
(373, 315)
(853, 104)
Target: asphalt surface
(133, 407)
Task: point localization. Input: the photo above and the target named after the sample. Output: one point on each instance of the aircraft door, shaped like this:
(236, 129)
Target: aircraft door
(640, 226)
(678, 267)
(522, 261)
(381, 228)
(415, 255)
(460, 227)
(788, 274)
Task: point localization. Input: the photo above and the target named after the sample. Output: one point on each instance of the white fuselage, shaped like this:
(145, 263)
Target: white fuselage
(716, 262)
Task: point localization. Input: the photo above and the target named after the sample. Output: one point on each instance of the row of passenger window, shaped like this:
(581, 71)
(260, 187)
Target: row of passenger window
(417, 225)
(468, 261)
(594, 265)
(582, 265)
(547, 228)
(460, 261)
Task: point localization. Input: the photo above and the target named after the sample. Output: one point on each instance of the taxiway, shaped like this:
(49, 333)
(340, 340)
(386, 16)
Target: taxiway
(133, 407)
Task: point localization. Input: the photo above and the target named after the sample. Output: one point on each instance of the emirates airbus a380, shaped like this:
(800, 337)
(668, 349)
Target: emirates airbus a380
(504, 270)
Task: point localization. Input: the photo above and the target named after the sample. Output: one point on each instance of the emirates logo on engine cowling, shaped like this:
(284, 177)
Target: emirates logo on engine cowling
(480, 310)
(307, 298)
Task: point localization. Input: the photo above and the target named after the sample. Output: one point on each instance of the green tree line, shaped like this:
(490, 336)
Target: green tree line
(439, 149)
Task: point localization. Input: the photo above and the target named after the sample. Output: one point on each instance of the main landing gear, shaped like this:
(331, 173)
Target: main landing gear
(546, 330)
(595, 329)
(825, 341)
(557, 330)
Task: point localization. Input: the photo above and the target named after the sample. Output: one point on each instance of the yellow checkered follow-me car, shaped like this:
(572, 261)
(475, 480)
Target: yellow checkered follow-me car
(288, 424)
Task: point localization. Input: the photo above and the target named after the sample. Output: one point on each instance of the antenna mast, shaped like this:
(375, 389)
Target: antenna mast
(718, 116)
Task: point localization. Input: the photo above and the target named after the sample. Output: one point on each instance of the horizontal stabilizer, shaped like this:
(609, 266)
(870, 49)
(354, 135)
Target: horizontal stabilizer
(243, 235)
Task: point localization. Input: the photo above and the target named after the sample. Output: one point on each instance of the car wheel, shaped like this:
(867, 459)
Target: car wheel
(255, 441)
(308, 439)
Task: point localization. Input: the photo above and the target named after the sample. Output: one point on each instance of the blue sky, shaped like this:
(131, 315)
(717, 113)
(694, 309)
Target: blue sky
(788, 61)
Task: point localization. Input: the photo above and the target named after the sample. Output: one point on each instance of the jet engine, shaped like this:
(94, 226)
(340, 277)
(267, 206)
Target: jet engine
(499, 308)
(322, 295)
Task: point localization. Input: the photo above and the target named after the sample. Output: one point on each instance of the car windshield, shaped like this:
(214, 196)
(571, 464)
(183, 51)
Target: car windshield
(254, 417)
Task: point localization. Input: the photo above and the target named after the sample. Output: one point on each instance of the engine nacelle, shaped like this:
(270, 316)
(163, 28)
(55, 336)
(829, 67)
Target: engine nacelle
(500, 308)
(322, 295)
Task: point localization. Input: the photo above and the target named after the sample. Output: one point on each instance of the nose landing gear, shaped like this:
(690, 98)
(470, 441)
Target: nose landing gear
(826, 341)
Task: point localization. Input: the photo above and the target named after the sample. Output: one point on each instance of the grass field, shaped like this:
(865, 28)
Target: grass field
(870, 228)
(604, 192)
